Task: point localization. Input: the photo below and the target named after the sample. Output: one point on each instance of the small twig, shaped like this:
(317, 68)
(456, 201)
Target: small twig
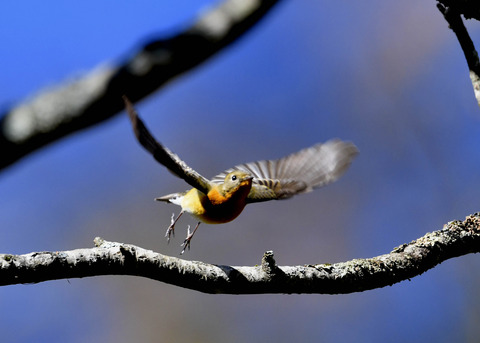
(110, 258)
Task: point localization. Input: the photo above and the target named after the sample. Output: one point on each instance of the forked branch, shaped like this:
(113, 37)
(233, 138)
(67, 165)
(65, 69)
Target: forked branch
(452, 12)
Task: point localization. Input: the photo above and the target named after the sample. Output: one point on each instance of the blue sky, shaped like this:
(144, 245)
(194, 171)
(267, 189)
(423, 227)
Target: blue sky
(388, 76)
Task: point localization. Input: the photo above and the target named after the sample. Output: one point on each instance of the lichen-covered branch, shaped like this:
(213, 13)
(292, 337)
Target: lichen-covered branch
(452, 11)
(97, 96)
(457, 238)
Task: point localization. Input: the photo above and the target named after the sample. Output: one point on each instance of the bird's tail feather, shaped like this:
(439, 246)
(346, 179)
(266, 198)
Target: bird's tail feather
(174, 198)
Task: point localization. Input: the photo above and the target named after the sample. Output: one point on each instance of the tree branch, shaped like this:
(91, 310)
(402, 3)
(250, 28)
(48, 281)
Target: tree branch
(76, 105)
(451, 12)
(109, 258)
(468, 8)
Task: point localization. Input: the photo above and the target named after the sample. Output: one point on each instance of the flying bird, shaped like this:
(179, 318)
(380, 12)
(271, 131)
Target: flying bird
(223, 198)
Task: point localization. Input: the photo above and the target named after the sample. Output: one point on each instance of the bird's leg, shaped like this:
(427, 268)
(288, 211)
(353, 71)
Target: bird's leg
(186, 242)
(171, 228)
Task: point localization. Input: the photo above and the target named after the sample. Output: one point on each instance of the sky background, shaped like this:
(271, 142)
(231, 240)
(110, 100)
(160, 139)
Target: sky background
(389, 76)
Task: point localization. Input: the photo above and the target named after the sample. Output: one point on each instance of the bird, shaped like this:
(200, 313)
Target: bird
(223, 198)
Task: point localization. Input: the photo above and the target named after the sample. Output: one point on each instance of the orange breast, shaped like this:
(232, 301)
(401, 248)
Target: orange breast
(215, 208)
(216, 198)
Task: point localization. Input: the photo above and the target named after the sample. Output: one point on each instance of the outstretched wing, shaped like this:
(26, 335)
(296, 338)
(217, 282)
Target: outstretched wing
(163, 154)
(297, 173)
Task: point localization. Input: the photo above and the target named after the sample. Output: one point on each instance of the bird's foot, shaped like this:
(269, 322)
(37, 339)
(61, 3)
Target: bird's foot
(186, 242)
(171, 228)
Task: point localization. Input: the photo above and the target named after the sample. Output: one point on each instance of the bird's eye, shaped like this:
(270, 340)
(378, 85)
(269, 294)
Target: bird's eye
(234, 177)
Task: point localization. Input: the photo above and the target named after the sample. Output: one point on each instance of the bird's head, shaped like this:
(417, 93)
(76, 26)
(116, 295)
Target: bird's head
(237, 179)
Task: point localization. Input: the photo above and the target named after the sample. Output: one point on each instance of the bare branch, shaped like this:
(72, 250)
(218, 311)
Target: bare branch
(78, 104)
(452, 13)
(468, 8)
(109, 258)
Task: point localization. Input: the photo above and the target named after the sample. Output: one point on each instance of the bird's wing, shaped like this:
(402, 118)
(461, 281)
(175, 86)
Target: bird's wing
(163, 154)
(297, 173)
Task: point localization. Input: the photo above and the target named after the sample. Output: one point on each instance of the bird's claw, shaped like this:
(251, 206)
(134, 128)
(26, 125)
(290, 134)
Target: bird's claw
(186, 242)
(171, 228)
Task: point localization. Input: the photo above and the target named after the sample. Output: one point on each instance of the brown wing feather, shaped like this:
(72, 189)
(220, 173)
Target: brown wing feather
(163, 154)
(297, 173)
